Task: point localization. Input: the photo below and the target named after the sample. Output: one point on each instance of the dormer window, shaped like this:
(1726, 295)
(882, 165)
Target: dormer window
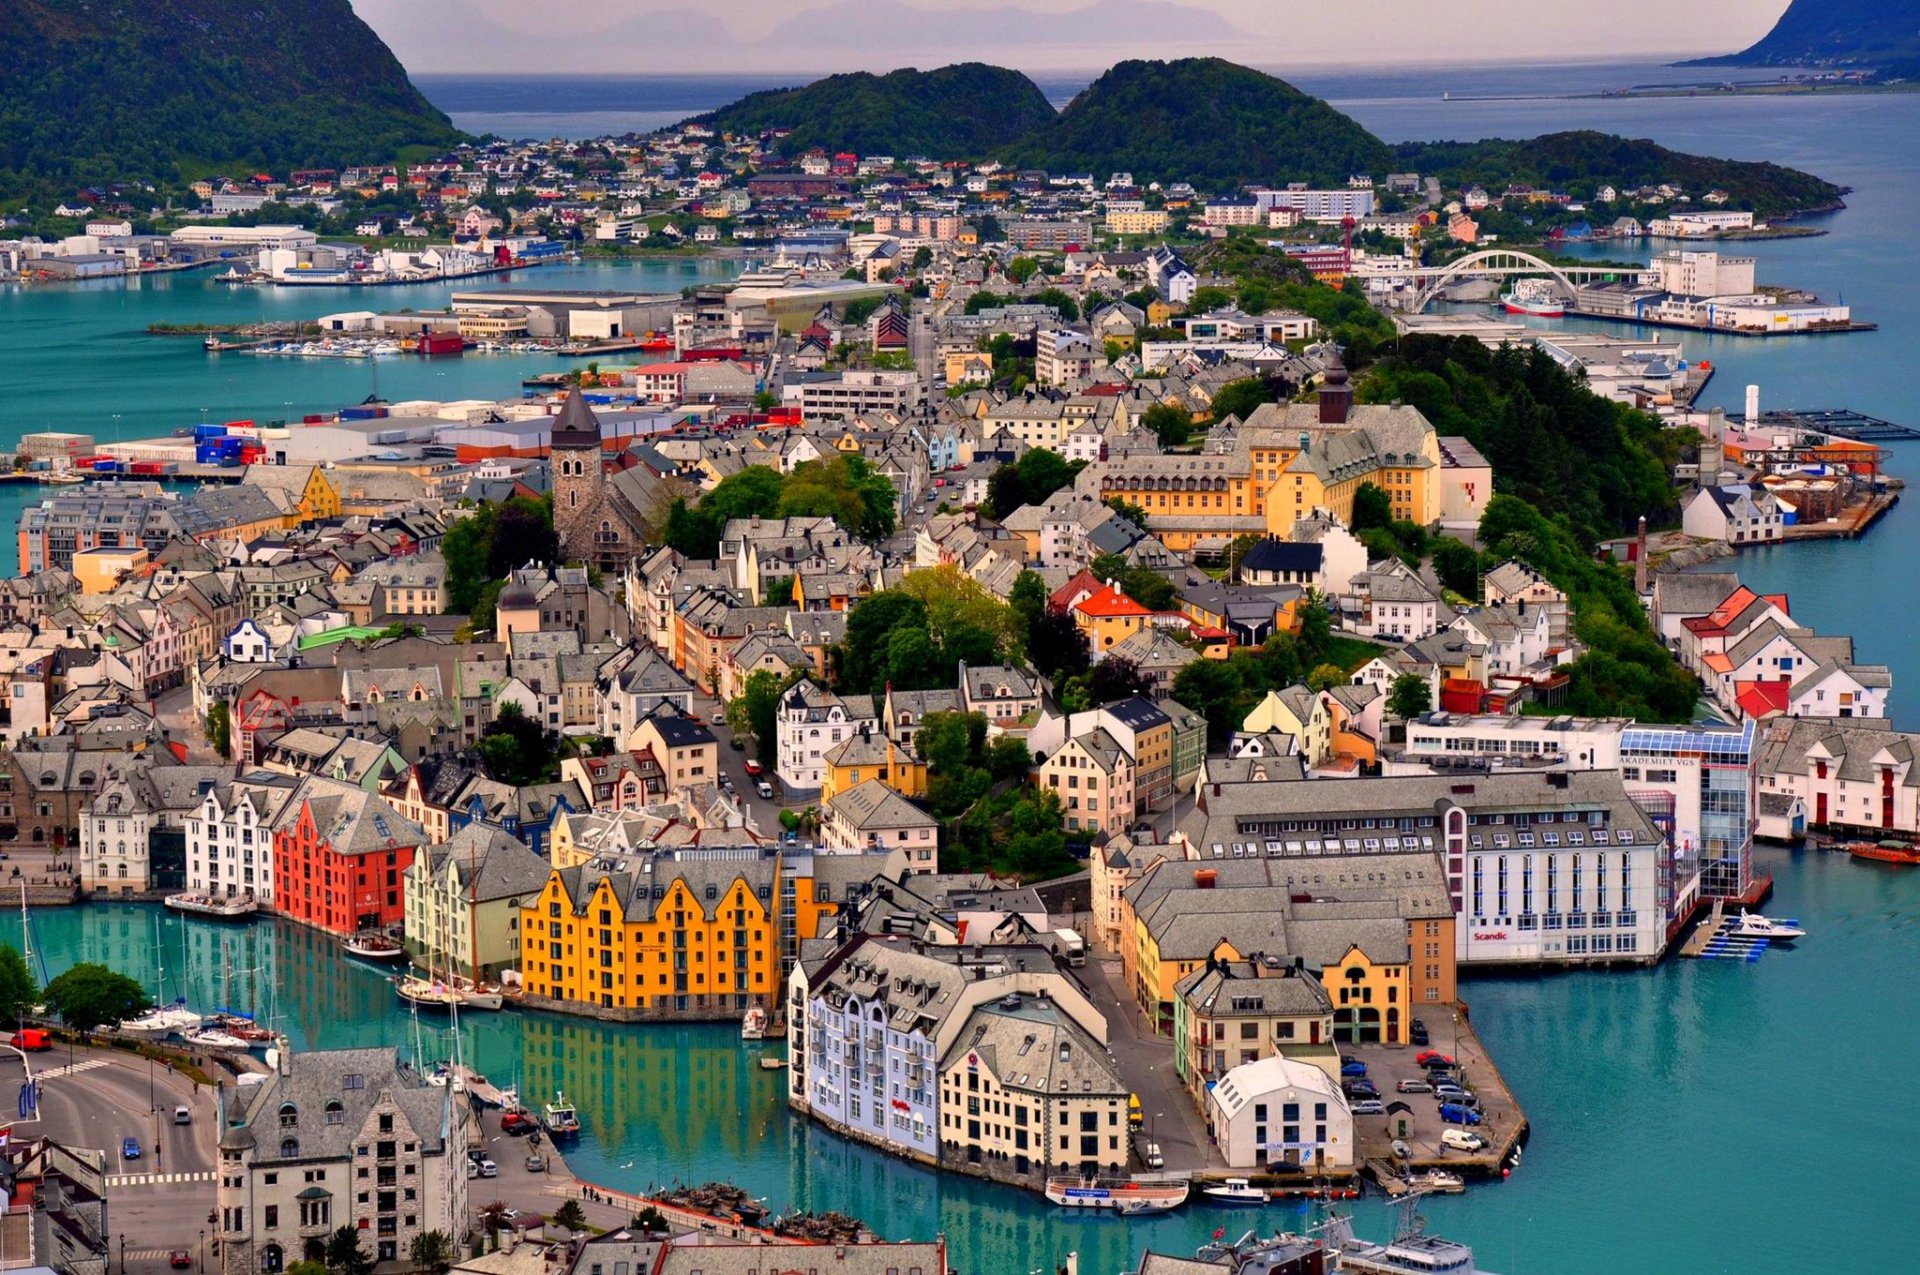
(289, 1115)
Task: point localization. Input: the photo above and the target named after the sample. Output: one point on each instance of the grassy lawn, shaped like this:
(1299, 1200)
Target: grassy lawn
(1350, 653)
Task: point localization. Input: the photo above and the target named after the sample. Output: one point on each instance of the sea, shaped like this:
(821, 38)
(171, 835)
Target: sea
(1688, 1119)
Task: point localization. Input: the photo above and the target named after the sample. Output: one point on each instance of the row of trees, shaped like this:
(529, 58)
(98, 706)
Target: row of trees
(845, 488)
(994, 819)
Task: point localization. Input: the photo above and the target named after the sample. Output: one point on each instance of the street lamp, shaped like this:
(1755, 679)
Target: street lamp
(199, 1254)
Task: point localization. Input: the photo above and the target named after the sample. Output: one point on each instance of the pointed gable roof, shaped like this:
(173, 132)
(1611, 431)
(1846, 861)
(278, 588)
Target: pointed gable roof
(576, 426)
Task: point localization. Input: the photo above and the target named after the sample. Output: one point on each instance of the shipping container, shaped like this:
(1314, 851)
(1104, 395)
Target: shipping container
(363, 413)
(106, 466)
(313, 418)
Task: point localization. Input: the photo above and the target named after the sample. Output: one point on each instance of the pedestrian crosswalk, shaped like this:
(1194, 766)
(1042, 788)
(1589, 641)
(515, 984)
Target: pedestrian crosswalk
(54, 1072)
(155, 1179)
(146, 1254)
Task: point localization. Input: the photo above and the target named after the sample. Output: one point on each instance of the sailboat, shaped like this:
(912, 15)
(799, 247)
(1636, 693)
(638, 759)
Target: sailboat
(455, 990)
(163, 1020)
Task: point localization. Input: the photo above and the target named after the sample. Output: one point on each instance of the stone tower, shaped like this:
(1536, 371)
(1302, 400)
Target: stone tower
(578, 479)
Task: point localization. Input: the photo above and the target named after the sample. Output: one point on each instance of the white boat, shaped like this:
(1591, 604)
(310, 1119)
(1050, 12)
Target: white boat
(754, 1025)
(214, 1038)
(1437, 1181)
(559, 1117)
(1410, 1250)
(1236, 1191)
(159, 1023)
(371, 945)
(1751, 925)
(433, 994)
(1128, 1197)
(234, 907)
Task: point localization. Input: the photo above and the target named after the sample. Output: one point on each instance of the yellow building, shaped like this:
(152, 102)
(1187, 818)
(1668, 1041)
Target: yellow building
(102, 570)
(307, 486)
(1299, 712)
(694, 939)
(1136, 221)
(1108, 617)
(1372, 1000)
(1285, 461)
(869, 756)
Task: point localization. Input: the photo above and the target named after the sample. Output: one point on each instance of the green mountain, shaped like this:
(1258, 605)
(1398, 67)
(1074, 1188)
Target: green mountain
(99, 90)
(965, 111)
(1580, 162)
(1202, 120)
(1883, 34)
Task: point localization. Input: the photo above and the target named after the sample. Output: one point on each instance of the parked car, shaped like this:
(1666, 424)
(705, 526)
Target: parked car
(1454, 1113)
(1354, 1068)
(765, 789)
(517, 1124)
(737, 745)
(1461, 1140)
(753, 768)
(1414, 1086)
(1361, 1089)
(130, 1148)
(1417, 1035)
(179, 1259)
(1465, 1100)
(1446, 1091)
(1151, 1157)
(1429, 1057)
(488, 1169)
(1368, 1107)
(536, 1164)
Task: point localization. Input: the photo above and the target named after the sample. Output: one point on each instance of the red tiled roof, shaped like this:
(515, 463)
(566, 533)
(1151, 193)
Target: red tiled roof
(1110, 602)
(1762, 699)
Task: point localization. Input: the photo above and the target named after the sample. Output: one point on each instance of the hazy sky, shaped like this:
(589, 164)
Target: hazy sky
(667, 36)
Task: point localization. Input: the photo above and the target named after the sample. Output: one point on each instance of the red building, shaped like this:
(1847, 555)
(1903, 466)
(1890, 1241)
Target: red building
(339, 858)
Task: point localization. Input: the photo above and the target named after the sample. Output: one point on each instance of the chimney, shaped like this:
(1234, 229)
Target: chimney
(1640, 560)
(1753, 407)
(1336, 395)
(1204, 878)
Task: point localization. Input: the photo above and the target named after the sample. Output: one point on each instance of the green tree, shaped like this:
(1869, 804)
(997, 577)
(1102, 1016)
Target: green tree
(1409, 696)
(18, 990)
(845, 488)
(1372, 507)
(571, 1216)
(431, 1251)
(864, 654)
(466, 548)
(1149, 588)
(765, 401)
(313, 1268)
(1208, 298)
(1240, 398)
(1458, 566)
(1217, 690)
(1171, 423)
(1325, 677)
(1021, 269)
(754, 713)
(344, 1255)
(1128, 510)
(1069, 308)
(515, 748)
(650, 1221)
(1056, 646)
(922, 257)
(956, 603)
(219, 727)
(90, 995)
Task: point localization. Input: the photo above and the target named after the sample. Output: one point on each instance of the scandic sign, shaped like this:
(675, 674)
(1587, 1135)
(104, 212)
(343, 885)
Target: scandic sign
(1483, 935)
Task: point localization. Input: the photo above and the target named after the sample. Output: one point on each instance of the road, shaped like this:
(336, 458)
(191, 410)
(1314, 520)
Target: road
(159, 1202)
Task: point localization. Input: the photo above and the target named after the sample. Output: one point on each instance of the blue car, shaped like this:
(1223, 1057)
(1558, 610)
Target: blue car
(1353, 1069)
(1454, 1113)
(130, 1148)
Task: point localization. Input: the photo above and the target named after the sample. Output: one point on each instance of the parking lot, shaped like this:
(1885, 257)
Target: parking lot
(514, 1184)
(1415, 1117)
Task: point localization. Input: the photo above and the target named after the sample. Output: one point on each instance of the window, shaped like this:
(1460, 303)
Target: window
(336, 1114)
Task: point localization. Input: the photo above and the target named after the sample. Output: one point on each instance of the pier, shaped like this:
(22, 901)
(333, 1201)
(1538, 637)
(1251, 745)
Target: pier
(1841, 422)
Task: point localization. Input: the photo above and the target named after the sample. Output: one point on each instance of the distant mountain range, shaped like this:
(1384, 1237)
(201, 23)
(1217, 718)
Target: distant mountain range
(159, 89)
(1882, 34)
(1212, 123)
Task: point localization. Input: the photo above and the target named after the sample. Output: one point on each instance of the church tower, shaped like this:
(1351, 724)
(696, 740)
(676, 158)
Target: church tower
(578, 479)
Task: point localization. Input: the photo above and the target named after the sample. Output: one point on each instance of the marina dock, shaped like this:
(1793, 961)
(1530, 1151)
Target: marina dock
(1841, 422)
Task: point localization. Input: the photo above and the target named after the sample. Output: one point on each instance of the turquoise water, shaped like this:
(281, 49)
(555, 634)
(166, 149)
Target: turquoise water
(1691, 1119)
(1668, 1106)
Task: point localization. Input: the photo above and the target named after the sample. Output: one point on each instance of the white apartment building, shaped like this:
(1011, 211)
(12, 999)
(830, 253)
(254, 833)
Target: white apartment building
(230, 837)
(1324, 206)
(1704, 274)
(811, 721)
(857, 393)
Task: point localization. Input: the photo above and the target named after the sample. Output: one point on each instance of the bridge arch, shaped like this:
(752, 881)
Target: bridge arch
(1502, 261)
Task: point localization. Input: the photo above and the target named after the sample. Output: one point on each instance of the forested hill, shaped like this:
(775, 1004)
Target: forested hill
(1581, 162)
(1883, 34)
(99, 90)
(1205, 121)
(969, 111)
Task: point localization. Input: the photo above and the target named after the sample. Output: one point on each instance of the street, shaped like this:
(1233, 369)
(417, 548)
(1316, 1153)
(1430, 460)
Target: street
(160, 1201)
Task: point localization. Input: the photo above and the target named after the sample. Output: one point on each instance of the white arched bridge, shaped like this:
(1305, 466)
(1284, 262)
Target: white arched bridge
(1505, 263)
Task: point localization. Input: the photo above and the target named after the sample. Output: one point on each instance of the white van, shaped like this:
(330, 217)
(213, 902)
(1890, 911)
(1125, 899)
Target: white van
(183, 1115)
(1151, 1157)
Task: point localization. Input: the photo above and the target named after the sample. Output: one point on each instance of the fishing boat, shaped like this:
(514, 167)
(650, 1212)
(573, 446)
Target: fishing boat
(1885, 851)
(1236, 1192)
(219, 907)
(754, 1025)
(559, 1118)
(1127, 1197)
(1751, 925)
(429, 993)
(372, 945)
(773, 1064)
(1411, 1248)
(1536, 297)
(1437, 1182)
(1281, 1254)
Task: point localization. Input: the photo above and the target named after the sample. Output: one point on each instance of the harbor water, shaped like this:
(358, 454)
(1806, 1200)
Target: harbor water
(1663, 1102)
(1689, 1119)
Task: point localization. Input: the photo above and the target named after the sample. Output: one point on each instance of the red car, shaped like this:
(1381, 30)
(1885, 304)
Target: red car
(1433, 1056)
(514, 1123)
(754, 768)
(179, 1259)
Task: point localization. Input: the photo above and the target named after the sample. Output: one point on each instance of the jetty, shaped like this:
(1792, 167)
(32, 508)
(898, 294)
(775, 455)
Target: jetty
(1841, 422)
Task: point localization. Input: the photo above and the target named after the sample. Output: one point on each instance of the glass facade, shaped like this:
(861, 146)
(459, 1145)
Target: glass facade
(1724, 839)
